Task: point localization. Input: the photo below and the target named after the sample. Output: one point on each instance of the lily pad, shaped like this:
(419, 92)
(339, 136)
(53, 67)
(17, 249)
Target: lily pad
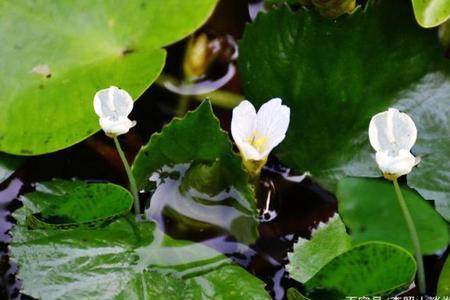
(327, 241)
(373, 268)
(65, 204)
(57, 54)
(333, 94)
(199, 179)
(430, 13)
(443, 288)
(8, 165)
(371, 211)
(124, 260)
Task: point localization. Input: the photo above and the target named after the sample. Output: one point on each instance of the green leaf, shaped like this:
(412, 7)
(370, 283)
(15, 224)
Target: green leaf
(327, 241)
(8, 165)
(124, 260)
(431, 177)
(200, 180)
(371, 211)
(443, 288)
(430, 13)
(195, 138)
(333, 94)
(57, 54)
(373, 268)
(65, 204)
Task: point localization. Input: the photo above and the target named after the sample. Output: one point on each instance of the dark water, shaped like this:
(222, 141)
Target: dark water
(293, 210)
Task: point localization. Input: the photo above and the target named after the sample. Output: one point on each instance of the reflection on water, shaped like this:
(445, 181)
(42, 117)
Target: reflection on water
(219, 208)
(268, 212)
(204, 86)
(220, 68)
(255, 7)
(184, 258)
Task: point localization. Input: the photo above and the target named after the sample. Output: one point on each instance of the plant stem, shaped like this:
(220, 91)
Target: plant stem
(414, 237)
(133, 187)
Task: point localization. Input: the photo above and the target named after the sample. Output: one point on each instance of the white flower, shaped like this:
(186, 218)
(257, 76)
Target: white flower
(256, 134)
(113, 106)
(392, 134)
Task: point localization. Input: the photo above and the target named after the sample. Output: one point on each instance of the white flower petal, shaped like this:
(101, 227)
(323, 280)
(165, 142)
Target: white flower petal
(113, 106)
(272, 123)
(392, 131)
(243, 122)
(123, 102)
(398, 165)
(112, 102)
(116, 127)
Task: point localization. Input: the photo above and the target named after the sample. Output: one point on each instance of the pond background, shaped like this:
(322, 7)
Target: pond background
(299, 207)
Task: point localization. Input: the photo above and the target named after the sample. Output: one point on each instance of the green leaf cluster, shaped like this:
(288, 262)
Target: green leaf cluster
(336, 74)
(123, 260)
(332, 268)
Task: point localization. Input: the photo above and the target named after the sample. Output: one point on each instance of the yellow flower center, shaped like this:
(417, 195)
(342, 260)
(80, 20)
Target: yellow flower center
(257, 141)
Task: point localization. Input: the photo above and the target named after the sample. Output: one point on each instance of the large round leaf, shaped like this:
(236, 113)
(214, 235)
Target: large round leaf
(336, 74)
(67, 204)
(56, 54)
(124, 260)
(369, 269)
(370, 209)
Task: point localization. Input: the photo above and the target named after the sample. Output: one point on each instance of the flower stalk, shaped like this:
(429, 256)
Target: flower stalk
(414, 236)
(131, 179)
(392, 134)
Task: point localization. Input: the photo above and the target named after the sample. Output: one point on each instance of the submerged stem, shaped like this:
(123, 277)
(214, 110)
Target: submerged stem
(133, 187)
(413, 235)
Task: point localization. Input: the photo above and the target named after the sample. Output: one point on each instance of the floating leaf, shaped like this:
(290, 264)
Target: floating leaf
(65, 204)
(200, 180)
(57, 54)
(124, 260)
(333, 94)
(430, 13)
(370, 209)
(327, 241)
(8, 165)
(373, 268)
